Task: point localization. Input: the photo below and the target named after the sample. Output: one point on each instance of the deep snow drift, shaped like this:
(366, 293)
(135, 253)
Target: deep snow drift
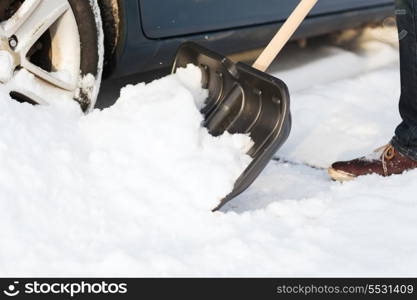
(87, 196)
(131, 174)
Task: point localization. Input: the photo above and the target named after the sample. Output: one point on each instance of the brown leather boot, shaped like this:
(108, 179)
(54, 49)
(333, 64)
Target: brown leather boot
(385, 161)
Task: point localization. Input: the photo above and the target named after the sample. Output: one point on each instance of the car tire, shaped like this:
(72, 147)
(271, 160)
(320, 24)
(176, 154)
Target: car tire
(70, 43)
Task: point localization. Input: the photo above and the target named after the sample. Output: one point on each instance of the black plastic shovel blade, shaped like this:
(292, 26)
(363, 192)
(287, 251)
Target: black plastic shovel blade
(241, 100)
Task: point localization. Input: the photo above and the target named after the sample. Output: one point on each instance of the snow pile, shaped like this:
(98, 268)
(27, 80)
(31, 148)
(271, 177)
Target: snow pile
(86, 196)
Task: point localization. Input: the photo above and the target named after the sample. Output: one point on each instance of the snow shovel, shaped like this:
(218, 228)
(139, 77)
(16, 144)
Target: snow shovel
(244, 99)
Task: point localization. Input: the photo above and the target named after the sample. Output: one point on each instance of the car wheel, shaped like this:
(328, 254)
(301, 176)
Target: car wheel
(50, 50)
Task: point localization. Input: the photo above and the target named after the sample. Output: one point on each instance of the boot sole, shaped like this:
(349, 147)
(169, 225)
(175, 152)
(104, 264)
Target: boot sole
(340, 176)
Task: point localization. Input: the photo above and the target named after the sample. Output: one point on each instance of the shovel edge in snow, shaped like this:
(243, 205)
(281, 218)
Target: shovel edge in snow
(242, 100)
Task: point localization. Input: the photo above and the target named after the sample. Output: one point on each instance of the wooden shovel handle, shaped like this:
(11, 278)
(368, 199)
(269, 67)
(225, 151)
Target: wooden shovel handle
(284, 34)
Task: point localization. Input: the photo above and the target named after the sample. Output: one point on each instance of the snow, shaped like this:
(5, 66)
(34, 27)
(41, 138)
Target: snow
(127, 191)
(86, 86)
(6, 61)
(67, 180)
(340, 118)
(28, 84)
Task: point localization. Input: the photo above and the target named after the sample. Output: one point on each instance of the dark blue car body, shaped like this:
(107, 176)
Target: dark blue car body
(152, 30)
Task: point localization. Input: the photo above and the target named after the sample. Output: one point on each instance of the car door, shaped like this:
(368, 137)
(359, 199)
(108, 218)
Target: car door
(169, 18)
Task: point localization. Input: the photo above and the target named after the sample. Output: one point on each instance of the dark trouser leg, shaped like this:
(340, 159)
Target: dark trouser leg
(405, 140)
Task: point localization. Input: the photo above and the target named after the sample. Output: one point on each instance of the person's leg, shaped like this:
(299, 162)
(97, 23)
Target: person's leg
(405, 139)
(401, 154)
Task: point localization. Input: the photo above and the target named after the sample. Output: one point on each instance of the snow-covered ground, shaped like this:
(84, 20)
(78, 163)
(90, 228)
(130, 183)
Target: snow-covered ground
(121, 193)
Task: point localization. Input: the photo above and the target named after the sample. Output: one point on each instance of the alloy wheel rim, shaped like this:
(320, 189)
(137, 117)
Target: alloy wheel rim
(19, 35)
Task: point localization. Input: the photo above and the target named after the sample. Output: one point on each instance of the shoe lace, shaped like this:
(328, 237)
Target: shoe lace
(388, 153)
